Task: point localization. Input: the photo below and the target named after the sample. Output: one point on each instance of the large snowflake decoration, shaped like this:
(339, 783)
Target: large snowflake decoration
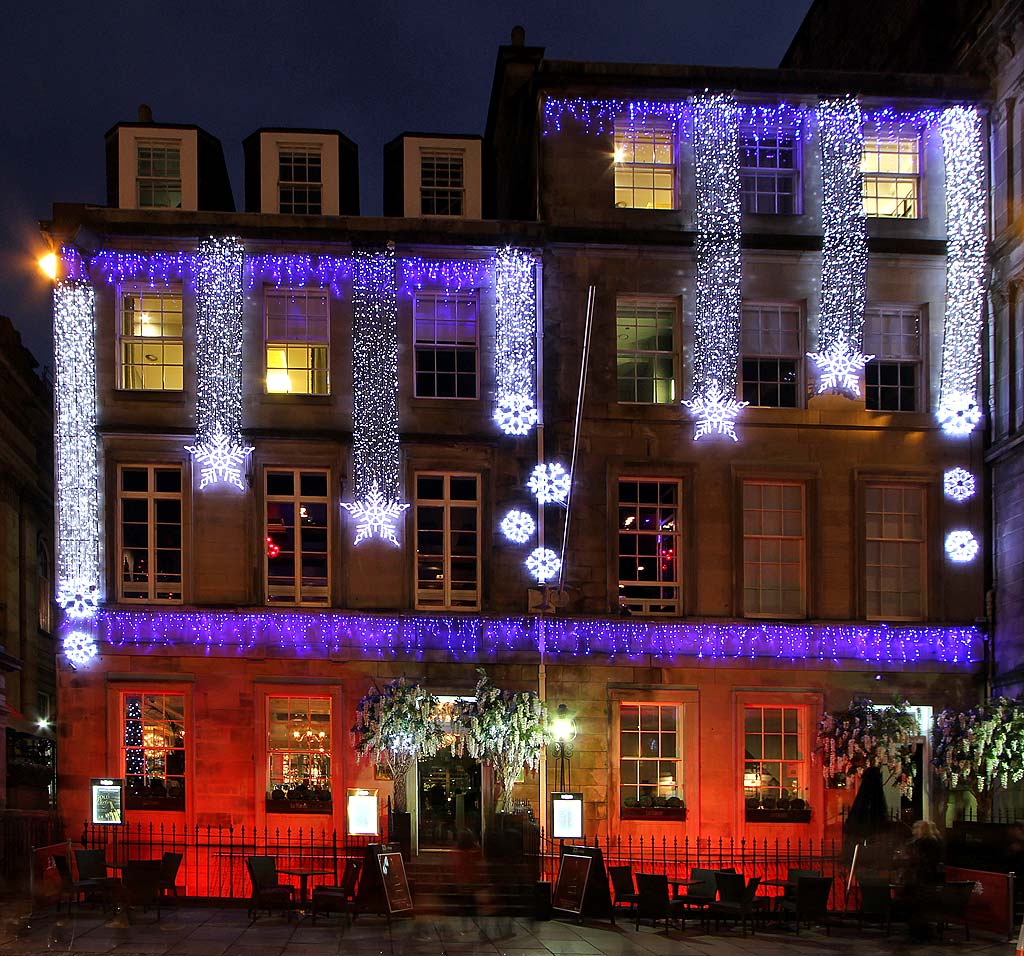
(959, 413)
(77, 599)
(518, 526)
(515, 414)
(221, 458)
(961, 546)
(839, 368)
(550, 483)
(375, 516)
(79, 648)
(714, 412)
(958, 484)
(543, 564)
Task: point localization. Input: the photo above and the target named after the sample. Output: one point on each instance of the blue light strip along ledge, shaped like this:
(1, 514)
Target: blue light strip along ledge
(470, 638)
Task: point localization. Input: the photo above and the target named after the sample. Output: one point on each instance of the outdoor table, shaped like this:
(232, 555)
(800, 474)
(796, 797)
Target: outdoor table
(304, 873)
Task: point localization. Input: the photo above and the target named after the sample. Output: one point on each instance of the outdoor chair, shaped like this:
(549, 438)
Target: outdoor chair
(625, 894)
(141, 885)
(736, 899)
(338, 899)
(169, 866)
(700, 896)
(810, 902)
(267, 892)
(948, 904)
(71, 889)
(875, 903)
(92, 868)
(653, 902)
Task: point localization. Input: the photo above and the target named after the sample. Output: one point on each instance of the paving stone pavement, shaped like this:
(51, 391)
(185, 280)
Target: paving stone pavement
(205, 931)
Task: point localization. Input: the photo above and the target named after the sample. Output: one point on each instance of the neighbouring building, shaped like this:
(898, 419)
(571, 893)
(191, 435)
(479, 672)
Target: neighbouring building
(289, 439)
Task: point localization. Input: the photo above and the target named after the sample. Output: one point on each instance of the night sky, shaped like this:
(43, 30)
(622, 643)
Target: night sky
(71, 71)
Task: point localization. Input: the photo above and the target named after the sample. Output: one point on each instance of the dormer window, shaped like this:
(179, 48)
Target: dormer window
(158, 175)
(300, 181)
(442, 182)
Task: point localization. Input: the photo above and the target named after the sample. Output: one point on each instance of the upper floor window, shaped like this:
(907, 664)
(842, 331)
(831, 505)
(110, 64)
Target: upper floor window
(894, 551)
(154, 751)
(150, 533)
(773, 549)
(45, 583)
(296, 536)
(891, 168)
(769, 171)
(442, 182)
(298, 337)
(150, 339)
(158, 175)
(893, 379)
(645, 167)
(774, 759)
(772, 356)
(447, 333)
(650, 753)
(299, 753)
(646, 358)
(649, 578)
(447, 541)
(300, 181)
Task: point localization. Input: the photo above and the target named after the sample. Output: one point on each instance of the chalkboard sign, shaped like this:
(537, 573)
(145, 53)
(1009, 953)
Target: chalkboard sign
(596, 900)
(396, 886)
(571, 885)
(383, 886)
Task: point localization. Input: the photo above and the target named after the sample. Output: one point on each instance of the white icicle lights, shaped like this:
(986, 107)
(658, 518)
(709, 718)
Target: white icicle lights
(515, 299)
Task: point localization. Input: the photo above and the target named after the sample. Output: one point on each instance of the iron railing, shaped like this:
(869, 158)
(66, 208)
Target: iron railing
(20, 830)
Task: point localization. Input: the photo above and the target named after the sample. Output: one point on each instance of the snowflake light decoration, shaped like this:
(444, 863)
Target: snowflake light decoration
(714, 412)
(543, 564)
(839, 368)
(518, 526)
(222, 459)
(79, 648)
(78, 600)
(958, 414)
(375, 516)
(961, 546)
(550, 483)
(515, 414)
(958, 484)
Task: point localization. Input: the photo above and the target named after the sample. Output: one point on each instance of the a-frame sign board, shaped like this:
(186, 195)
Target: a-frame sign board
(383, 886)
(582, 884)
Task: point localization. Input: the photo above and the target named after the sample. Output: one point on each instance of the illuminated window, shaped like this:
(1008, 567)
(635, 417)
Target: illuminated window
(154, 751)
(298, 338)
(649, 579)
(892, 379)
(646, 358)
(645, 167)
(299, 753)
(769, 172)
(442, 182)
(149, 533)
(448, 541)
(158, 175)
(894, 552)
(891, 168)
(773, 549)
(771, 355)
(300, 181)
(296, 536)
(775, 765)
(150, 339)
(447, 338)
(650, 754)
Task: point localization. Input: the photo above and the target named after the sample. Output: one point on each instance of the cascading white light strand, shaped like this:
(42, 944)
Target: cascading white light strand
(964, 159)
(713, 404)
(79, 545)
(218, 448)
(375, 459)
(515, 298)
(844, 251)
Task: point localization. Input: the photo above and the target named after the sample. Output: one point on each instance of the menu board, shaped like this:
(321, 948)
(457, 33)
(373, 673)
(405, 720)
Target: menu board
(362, 813)
(107, 801)
(396, 885)
(571, 884)
(567, 816)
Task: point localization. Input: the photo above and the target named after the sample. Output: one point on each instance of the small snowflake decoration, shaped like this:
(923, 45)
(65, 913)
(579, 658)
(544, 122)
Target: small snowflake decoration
(222, 459)
(958, 414)
(550, 483)
(375, 516)
(961, 546)
(79, 648)
(714, 413)
(839, 368)
(78, 600)
(543, 564)
(515, 414)
(518, 526)
(958, 484)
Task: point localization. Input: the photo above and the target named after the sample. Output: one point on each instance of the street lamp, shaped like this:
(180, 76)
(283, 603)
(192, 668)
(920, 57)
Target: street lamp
(563, 730)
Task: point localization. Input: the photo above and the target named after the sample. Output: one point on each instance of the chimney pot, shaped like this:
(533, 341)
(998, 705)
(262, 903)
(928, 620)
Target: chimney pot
(518, 36)
(145, 113)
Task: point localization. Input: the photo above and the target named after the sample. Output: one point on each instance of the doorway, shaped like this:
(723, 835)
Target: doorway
(449, 800)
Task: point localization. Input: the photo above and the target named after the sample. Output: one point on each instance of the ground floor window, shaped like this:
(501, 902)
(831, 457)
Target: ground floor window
(299, 754)
(775, 763)
(650, 758)
(154, 751)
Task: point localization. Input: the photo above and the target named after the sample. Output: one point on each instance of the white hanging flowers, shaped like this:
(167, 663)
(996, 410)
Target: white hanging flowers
(982, 748)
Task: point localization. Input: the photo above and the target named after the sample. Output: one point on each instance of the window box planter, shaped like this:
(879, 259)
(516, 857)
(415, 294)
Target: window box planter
(298, 806)
(761, 815)
(653, 814)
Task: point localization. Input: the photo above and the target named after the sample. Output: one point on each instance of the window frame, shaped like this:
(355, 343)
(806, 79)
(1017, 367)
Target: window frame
(141, 290)
(299, 597)
(750, 132)
(865, 484)
(449, 153)
(271, 293)
(301, 804)
(435, 348)
(150, 496)
(446, 503)
(920, 390)
(676, 534)
(166, 802)
(808, 782)
(659, 303)
(879, 178)
(307, 150)
(797, 357)
(625, 131)
(804, 538)
(680, 764)
(153, 181)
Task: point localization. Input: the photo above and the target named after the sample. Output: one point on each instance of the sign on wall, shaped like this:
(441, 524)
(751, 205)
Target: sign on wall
(567, 816)
(107, 800)
(362, 812)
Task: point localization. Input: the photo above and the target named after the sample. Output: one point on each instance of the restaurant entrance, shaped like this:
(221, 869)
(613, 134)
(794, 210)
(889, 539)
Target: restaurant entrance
(449, 800)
